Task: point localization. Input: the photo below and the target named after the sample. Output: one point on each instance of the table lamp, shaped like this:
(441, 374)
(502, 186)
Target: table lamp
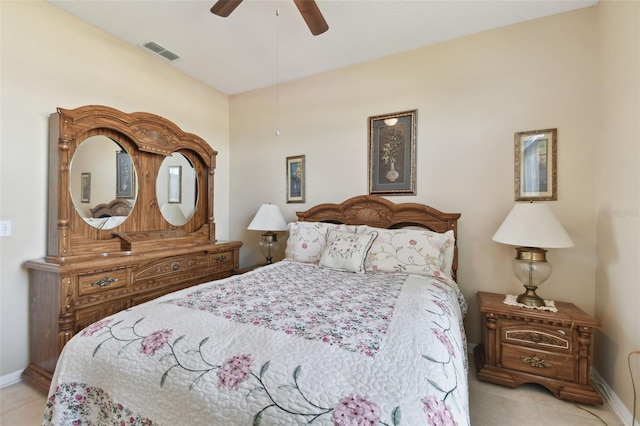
(531, 226)
(269, 219)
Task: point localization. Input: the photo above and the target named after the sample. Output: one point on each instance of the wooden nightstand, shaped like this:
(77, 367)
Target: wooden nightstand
(522, 345)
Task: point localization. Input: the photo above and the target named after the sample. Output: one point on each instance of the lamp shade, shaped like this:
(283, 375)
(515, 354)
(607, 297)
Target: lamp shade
(532, 225)
(268, 218)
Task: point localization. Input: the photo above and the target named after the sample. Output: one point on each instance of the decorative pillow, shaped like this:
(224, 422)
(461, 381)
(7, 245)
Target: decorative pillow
(346, 250)
(413, 251)
(307, 240)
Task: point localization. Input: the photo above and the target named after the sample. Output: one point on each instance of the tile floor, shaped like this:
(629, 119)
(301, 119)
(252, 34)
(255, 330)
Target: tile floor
(491, 405)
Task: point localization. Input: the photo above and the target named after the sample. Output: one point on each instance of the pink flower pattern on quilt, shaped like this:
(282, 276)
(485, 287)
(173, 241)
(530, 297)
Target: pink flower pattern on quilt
(155, 341)
(355, 410)
(352, 311)
(437, 412)
(94, 328)
(234, 371)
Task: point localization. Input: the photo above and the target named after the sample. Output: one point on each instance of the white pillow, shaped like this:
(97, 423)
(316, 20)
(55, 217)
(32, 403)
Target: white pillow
(413, 251)
(307, 240)
(346, 250)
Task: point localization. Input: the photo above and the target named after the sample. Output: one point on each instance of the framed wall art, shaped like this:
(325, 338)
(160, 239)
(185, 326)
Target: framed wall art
(85, 187)
(175, 184)
(295, 179)
(125, 178)
(535, 165)
(392, 153)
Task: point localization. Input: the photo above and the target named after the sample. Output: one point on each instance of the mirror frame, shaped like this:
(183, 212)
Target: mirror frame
(148, 138)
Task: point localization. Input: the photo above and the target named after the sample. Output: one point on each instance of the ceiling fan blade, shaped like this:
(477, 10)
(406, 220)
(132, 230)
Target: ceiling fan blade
(312, 16)
(225, 7)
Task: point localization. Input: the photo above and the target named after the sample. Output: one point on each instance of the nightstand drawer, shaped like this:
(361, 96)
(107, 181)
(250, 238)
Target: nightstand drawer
(105, 281)
(540, 363)
(543, 337)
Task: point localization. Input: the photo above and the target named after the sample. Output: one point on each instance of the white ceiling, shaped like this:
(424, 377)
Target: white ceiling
(254, 48)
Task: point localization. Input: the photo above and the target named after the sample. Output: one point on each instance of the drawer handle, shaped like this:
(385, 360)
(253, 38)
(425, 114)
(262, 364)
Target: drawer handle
(175, 266)
(221, 258)
(536, 362)
(104, 282)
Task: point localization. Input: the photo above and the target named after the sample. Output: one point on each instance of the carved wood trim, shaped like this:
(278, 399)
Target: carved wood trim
(148, 139)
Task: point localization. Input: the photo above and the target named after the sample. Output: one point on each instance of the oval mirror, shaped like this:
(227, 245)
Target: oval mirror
(103, 182)
(177, 189)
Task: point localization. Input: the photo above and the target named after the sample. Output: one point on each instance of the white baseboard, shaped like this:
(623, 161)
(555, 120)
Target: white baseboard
(11, 379)
(611, 399)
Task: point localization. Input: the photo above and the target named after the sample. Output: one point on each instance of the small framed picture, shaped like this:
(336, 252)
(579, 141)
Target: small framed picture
(175, 184)
(392, 153)
(535, 165)
(125, 176)
(85, 185)
(295, 179)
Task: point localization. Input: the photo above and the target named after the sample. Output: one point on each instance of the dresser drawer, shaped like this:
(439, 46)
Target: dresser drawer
(104, 281)
(222, 261)
(539, 363)
(89, 315)
(542, 337)
(165, 268)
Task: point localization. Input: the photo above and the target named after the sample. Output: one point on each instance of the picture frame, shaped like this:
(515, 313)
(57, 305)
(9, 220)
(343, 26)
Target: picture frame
(175, 185)
(125, 176)
(85, 187)
(296, 191)
(392, 153)
(536, 165)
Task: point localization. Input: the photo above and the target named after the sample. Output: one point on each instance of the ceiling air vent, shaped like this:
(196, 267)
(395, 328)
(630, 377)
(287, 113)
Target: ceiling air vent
(155, 47)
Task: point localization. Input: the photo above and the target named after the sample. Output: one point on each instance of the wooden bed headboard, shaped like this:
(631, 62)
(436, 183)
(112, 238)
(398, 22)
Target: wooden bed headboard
(116, 207)
(379, 212)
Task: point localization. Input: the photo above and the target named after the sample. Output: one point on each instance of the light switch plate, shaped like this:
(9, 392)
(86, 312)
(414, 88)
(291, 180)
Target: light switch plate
(5, 228)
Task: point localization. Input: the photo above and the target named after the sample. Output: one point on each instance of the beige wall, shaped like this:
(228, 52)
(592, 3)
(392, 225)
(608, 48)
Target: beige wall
(617, 291)
(472, 95)
(49, 60)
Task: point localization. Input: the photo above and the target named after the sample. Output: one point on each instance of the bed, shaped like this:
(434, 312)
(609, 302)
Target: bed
(360, 324)
(109, 215)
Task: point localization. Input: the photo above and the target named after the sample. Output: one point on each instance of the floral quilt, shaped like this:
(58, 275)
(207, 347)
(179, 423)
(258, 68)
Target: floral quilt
(287, 344)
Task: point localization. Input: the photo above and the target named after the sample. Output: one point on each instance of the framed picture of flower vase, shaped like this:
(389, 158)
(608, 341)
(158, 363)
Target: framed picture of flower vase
(392, 153)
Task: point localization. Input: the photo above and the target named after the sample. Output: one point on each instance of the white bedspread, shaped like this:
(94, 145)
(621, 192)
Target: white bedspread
(288, 344)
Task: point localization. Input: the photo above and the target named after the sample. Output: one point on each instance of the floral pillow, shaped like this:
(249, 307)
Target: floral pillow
(412, 251)
(346, 250)
(307, 240)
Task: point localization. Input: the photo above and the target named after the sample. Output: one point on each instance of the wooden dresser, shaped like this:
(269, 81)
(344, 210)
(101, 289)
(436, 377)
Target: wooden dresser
(64, 299)
(522, 345)
(130, 218)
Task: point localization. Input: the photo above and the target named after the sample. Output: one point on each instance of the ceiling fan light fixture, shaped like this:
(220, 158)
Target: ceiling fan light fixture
(308, 9)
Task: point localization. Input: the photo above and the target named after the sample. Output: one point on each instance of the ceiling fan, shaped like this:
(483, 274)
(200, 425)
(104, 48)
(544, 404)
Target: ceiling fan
(308, 9)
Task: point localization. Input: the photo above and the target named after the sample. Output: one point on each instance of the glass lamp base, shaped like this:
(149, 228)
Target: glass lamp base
(269, 245)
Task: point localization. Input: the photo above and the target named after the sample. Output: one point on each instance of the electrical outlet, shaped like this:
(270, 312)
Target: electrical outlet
(5, 228)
